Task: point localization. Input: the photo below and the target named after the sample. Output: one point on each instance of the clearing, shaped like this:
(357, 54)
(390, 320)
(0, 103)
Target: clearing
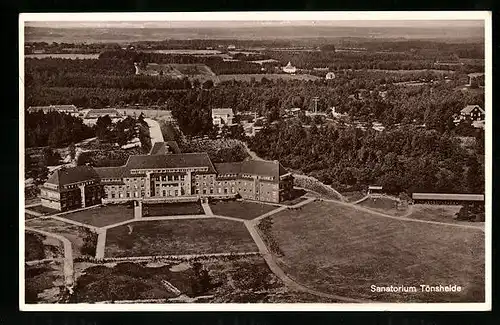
(271, 76)
(240, 209)
(178, 237)
(75, 234)
(103, 215)
(384, 205)
(172, 209)
(337, 249)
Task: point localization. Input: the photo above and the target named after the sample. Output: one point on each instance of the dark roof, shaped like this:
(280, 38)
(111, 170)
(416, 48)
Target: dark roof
(181, 160)
(109, 172)
(102, 112)
(163, 148)
(469, 108)
(450, 197)
(65, 176)
(253, 167)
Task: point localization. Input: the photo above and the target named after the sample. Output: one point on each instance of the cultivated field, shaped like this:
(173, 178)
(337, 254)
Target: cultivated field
(240, 209)
(102, 216)
(270, 76)
(75, 234)
(338, 249)
(178, 237)
(384, 205)
(172, 209)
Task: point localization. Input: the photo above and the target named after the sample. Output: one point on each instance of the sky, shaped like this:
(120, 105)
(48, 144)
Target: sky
(249, 24)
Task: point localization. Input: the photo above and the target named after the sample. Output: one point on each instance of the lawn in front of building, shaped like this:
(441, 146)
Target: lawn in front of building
(178, 237)
(240, 209)
(172, 209)
(43, 210)
(341, 250)
(103, 215)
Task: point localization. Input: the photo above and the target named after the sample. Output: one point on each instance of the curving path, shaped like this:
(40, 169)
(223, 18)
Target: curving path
(68, 255)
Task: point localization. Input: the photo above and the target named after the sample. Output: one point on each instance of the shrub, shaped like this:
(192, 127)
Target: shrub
(89, 243)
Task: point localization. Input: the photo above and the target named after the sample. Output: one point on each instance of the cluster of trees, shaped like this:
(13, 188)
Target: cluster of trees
(123, 131)
(405, 159)
(36, 162)
(54, 129)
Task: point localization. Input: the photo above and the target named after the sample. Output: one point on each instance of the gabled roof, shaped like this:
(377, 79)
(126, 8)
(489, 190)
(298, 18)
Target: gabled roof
(469, 108)
(222, 111)
(66, 108)
(476, 74)
(109, 172)
(163, 148)
(253, 167)
(451, 197)
(181, 160)
(102, 112)
(65, 176)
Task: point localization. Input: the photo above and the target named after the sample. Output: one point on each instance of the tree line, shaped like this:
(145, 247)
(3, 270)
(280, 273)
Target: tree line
(405, 159)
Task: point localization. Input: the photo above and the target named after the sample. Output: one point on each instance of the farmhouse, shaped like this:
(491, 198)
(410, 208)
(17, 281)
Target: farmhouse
(289, 68)
(221, 116)
(68, 109)
(474, 112)
(72, 188)
(450, 199)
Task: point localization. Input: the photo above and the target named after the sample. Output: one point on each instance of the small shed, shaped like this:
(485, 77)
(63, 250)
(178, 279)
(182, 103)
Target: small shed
(374, 189)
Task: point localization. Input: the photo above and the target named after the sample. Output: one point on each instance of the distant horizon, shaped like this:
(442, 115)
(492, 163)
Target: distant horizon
(418, 24)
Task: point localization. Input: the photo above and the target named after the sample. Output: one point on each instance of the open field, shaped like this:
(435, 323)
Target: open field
(270, 76)
(43, 283)
(240, 209)
(439, 213)
(43, 210)
(172, 209)
(102, 216)
(384, 205)
(73, 56)
(75, 234)
(178, 237)
(338, 249)
(39, 247)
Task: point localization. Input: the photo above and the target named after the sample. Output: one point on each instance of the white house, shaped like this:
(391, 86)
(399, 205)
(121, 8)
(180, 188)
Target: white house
(221, 116)
(330, 76)
(289, 68)
(475, 112)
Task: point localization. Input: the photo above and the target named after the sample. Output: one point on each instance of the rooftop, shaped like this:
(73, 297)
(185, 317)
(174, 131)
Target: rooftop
(469, 108)
(253, 167)
(65, 176)
(446, 196)
(222, 111)
(67, 108)
(181, 160)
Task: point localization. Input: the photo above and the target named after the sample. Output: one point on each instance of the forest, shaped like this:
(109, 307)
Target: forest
(406, 159)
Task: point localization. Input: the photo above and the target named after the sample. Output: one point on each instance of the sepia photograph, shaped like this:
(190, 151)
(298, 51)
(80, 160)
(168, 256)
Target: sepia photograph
(255, 161)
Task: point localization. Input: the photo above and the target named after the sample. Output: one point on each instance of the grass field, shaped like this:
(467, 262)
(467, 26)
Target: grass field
(270, 76)
(338, 249)
(240, 209)
(102, 216)
(384, 205)
(172, 209)
(75, 234)
(440, 213)
(43, 283)
(353, 196)
(39, 247)
(178, 237)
